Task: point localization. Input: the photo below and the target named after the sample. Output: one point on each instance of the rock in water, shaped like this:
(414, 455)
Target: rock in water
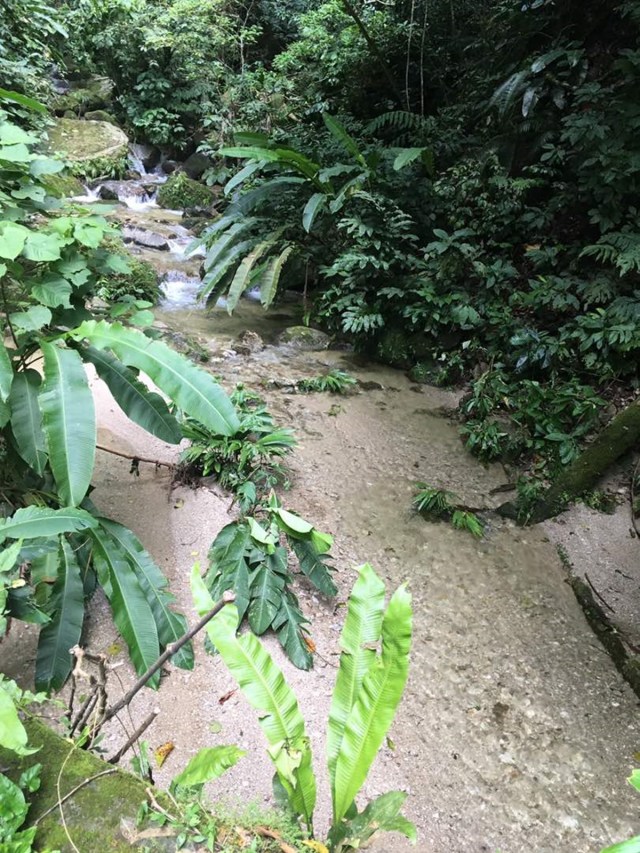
(148, 239)
(248, 342)
(303, 338)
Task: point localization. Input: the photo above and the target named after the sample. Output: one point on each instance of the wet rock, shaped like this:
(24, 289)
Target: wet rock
(303, 338)
(370, 385)
(114, 190)
(93, 93)
(100, 115)
(248, 342)
(148, 239)
(196, 165)
(147, 155)
(84, 141)
(169, 166)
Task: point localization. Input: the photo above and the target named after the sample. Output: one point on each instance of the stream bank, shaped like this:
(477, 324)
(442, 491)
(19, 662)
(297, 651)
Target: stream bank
(516, 732)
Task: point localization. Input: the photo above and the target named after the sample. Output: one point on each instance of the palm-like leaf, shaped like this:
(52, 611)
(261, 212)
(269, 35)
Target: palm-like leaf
(144, 407)
(360, 633)
(26, 419)
(193, 390)
(375, 704)
(68, 421)
(242, 278)
(131, 611)
(264, 686)
(171, 625)
(33, 522)
(53, 662)
(271, 276)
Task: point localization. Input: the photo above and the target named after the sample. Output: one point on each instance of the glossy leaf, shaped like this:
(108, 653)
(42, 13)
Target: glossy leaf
(264, 686)
(207, 764)
(375, 704)
(33, 522)
(68, 421)
(171, 625)
(144, 407)
(266, 593)
(53, 661)
(360, 633)
(288, 624)
(26, 420)
(228, 564)
(312, 562)
(193, 390)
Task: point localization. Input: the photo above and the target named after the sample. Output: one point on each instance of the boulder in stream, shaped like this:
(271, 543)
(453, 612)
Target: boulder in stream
(303, 338)
(248, 342)
(83, 142)
(142, 237)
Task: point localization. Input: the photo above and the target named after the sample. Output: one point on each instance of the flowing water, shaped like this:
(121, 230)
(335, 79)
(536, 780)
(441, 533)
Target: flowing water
(516, 732)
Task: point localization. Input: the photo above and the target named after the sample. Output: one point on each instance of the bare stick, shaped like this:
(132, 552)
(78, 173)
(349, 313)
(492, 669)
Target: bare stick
(74, 791)
(606, 604)
(227, 598)
(634, 477)
(134, 737)
(135, 458)
(157, 805)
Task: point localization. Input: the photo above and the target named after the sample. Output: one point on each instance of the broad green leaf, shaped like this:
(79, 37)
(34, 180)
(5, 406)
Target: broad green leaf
(312, 563)
(53, 662)
(228, 565)
(242, 176)
(266, 589)
(632, 845)
(26, 419)
(33, 522)
(18, 153)
(375, 704)
(13, 236)
(264, 686)
(9, 556)
(43, 247)
(171, 626)
(380, 815)
(31, 320)
(207, 764)
(5, 414)
(132, 613)
(18, 98)
(193, 390)
(271, 276)
(287, 624)
(294, 522)
(10, 134)
(214, 276)
(68, 421)
(6, 374)
(89, 233)
(406, 156)
(53, 291)
(347, 141)
(242, 278)
(311, 209)
(360, 633)
(13, 734)
(143, 406)
(264, 537)
(45, 166)
(634, 779)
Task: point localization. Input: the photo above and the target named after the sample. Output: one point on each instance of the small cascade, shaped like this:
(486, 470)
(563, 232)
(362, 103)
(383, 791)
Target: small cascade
(180, 291)
(91, 194)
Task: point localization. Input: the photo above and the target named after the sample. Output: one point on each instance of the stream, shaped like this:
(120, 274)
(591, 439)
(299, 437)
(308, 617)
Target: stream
(516, 732)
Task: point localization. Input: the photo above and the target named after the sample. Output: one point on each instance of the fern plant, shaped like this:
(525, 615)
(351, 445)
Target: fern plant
(372, 674)
(334, 382)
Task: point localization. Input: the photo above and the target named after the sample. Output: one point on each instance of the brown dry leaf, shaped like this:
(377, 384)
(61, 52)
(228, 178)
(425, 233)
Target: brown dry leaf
(265, 832)
(163, 752)
(309, 644)
(227, 696)
(243, 836)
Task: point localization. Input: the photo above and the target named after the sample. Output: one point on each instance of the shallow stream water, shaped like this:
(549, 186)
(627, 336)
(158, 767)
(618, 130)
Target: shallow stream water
(516, 733)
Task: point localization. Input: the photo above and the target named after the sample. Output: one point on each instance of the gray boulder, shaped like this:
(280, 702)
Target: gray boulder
(196, 165)
(145, 238)
(303, 338)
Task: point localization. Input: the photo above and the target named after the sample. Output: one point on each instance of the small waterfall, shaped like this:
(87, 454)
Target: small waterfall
(180, 291)
(90, 195)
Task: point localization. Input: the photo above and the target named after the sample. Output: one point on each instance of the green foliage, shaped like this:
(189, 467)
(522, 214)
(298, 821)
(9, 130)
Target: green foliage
(367, 692)
(333, 382)
(51, 263)
(251, 557)
(181, 192)
(247, 462)
(14, 808)
(140, 283)
(438, 504)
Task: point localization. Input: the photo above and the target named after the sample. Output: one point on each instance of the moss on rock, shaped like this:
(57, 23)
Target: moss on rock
(304, 338)
(181, 192)
(62, 185)
(93, 148)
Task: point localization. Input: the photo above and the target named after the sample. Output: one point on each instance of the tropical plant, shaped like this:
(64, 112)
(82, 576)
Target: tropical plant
(368, 689)
(248, 462)
(57, 547)
(14, 808)
(438, 504)
(252, 559)
(333, 382)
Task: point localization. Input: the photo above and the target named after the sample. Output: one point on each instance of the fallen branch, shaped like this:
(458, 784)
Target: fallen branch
(227, 598)
(135, 460)
(134, 737)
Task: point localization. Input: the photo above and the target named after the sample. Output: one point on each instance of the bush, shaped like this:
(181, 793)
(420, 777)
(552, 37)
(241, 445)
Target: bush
(141, 282)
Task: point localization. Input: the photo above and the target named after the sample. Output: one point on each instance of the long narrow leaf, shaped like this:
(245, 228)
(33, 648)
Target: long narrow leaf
(68, 421)
(360, 633)
(53, 662)
(271, 277)
(242, 175)
(242, 278)
(194, 391)
(264, 686)
(26, 420)
(144, 407)
(131, 611)
(33, 522)
(216, 274)
(375, 704)
(171, 625)
(311, 210)
(347, 141)
(6, 374)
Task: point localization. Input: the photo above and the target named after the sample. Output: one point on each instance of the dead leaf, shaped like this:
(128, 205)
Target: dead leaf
(243, 836)
(227, 696)
(309, 643)
(163, 752)
(179, 503)
(265, 832)
(390, 743)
